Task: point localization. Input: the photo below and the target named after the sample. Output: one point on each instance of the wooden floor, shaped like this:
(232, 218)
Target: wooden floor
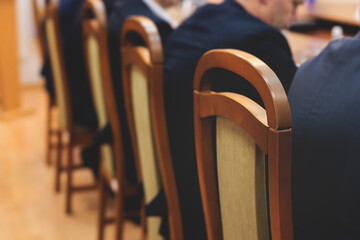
(29, 207)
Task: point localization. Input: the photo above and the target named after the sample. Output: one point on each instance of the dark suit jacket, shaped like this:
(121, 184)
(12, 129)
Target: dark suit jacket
(68, 12)
(325, 107)
(122, 10)
(226, 25)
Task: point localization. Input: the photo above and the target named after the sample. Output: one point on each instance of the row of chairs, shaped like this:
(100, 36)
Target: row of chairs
(242, 194)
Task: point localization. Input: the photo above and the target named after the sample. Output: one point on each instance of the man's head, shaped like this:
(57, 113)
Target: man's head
(276, 13)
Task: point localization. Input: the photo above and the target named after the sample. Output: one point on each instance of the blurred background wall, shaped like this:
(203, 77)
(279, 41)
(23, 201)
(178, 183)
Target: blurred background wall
(29, 59)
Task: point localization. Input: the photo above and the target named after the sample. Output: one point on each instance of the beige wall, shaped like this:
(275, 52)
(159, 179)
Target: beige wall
(29, 60)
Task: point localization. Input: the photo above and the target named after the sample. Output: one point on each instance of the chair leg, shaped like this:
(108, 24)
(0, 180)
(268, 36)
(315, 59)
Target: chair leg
(143, 220)
(69, 178)
(119, 214)
(48, 136)
(58, 166)
(102, 207)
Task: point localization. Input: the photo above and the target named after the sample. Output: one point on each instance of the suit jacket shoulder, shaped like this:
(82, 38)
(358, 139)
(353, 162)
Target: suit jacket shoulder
(228, 25)
(325, 106)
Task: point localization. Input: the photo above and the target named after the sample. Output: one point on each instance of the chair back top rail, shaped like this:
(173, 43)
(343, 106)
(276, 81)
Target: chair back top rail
(257, 73)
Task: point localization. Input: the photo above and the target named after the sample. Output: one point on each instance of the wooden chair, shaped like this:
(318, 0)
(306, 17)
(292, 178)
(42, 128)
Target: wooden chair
(39, 19)
(97, 57)
(142, 68)
(245, 196)
(78, 135)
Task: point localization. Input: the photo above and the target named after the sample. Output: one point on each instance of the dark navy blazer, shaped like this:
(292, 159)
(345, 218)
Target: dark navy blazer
(325, 107)
(71, 32)
(226, 25)
(122, 10)
(68, 12)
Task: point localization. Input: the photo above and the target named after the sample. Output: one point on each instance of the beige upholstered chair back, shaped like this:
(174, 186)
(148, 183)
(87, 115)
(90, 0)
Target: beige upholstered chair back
(95, 49)
(251, 197)
(97, 90)
(143, 91)
(146, 146)
(57, 64)
(242, 183)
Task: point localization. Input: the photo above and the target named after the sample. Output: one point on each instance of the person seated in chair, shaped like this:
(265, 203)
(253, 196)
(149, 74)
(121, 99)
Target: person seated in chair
(72, 45)
(248, 25)
(121, 10)
(68, 10)
(325, 108)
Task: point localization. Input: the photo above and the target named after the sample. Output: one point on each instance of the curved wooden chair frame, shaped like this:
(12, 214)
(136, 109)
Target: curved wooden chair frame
(39, 17)
(78, 136)
(150, 61)
(94, 26)
(270, 128)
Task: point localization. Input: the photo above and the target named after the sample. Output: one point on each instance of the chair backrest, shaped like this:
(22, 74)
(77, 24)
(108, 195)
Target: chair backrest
(142, 68)
(39, 17)
(245, 196)
(98, 68)
(62, 94)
